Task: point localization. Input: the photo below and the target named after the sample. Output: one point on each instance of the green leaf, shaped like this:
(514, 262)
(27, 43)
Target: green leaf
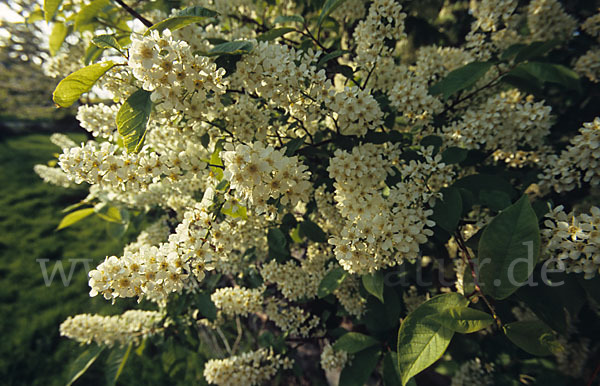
(183, 18)
(512, 51)
(358, 371)
(57, 37)
(353, 342)
(464, 320)
(34, 16)
(50, 8)
(197, 11)
(475, 183)
(448, 211)
(533, 336)
(83, 362)
(74, 217)
(332, 55)
(391, 377)
(511, 239)
(107, 41)
(494, 199)
(274, 34)
(87, 13)
(132, 119)
(109, 213)
(70, 89)
(454, 155)
(293, 145)
(421, 340)
(312, 231)
(432, 140)
(331, 281)
(92, 53)
(277, 243)
(548, 73)
(328, 7)
(460, 79)
(287, 19)
(206, 306)
(535, 49)
(231, 48)
(374, 284)
(115, 363)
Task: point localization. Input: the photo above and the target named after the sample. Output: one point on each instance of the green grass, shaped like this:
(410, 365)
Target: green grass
(31, 350)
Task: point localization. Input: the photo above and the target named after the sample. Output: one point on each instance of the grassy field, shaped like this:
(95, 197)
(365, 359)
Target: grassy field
(31, 350)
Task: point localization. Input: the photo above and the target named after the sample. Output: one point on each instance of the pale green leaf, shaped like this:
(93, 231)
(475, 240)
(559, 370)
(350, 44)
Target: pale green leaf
(509, 249)
(83, 362)
(50, 8)
(74, 217)
(464, 320)
(289, 18)
(107, 41)
(421, 340)
(231, 48)
(70, 89)
(132, 119)
(88, 12)
(57, 37)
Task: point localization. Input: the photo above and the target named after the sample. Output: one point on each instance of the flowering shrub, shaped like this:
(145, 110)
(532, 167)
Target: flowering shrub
(358, 189)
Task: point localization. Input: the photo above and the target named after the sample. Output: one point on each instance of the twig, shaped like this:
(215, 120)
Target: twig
(468, 260)
(133, 13)
(238, 338)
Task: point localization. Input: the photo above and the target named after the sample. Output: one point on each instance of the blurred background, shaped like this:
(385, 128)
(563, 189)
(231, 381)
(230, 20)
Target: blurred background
(32, 308)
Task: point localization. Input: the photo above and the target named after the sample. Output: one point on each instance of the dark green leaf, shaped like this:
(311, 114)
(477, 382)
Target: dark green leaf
(448, 211)
(477, 182)
(391, 377)
(357, 372)
(293, 145)
(277, 243)
(57, 37)
(533, 336)
(92, 53)
(509, 249)
(184, 18)
(534, 50)
(332, 55)
(494, 199)
(83, 362)
(353, 342)
(331, 281)
(70, 89)
(454, 155)
(548, 73)
(206, 306)
(328, 7)
(374, 284)
(50, 8)
(74, 217)
(115, 363)
(463, 320)
(421, 340)
(132, 119)
(107, 41)
(512, 51)
(274, 34)
(460, 79)
(432, 140)
(312, 231)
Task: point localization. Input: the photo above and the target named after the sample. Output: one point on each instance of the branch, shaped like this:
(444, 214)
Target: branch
(133, 13)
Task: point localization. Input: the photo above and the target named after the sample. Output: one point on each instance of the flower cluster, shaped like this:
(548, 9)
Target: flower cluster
(238, 301)
(130, 327)
(574, 240)
(99, 120)
(579, 162)
(332, 359)
(258, 173)
(250, 368)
